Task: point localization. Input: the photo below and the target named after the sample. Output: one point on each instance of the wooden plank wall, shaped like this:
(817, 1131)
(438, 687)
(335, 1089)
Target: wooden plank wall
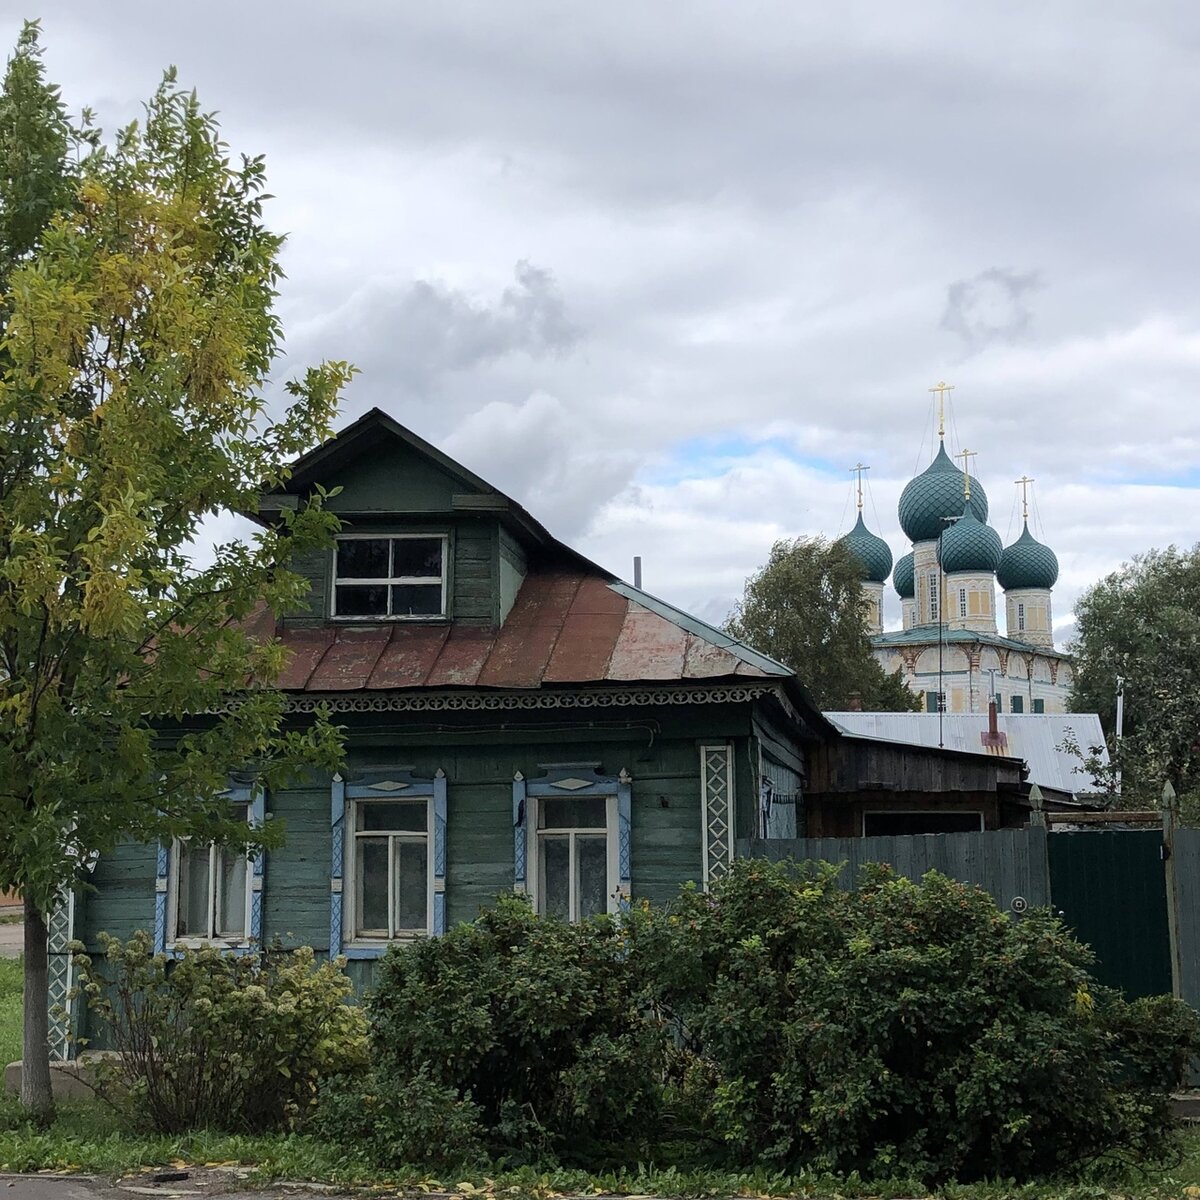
(1009, 864)
(666, 835)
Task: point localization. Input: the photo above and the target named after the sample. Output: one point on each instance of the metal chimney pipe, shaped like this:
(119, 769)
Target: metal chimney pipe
(637, 571)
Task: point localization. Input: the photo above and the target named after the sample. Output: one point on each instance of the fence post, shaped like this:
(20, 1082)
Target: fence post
(1169, 807)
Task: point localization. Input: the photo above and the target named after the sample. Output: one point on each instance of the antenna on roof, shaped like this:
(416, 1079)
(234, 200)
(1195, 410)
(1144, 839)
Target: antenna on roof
(637, 571)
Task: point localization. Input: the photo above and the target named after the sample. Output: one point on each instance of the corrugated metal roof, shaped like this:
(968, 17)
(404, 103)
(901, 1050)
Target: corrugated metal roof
(565, 627)
(1035, 737)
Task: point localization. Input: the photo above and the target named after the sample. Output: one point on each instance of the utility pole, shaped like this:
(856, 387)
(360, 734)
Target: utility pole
(1120, 726)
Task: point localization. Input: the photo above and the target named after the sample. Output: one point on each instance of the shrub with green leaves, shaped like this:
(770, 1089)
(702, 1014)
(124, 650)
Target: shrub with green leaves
(516, 1035)
(210, 1040)
(901, 1029)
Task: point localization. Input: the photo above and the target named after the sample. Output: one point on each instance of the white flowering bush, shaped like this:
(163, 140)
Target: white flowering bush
(212, 1040)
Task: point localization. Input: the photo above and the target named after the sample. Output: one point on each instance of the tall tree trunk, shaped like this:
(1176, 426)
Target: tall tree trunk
(36, 1094)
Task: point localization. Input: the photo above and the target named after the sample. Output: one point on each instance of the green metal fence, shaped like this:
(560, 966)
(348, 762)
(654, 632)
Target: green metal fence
(1111, 889)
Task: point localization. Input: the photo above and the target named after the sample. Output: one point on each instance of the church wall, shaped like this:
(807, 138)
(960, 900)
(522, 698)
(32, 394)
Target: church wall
(874, 596)
(1024, 682)
(908, 612)
(925, 574)
(971, 601)
(1028, 616)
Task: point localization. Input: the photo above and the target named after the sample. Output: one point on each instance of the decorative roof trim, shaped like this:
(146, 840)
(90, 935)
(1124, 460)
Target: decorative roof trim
(471, 701)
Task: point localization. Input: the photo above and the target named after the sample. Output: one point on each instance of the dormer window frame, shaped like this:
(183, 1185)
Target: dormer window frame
(442, 535)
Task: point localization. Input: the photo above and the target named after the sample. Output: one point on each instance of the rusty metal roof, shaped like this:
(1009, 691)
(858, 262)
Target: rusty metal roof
(566, 627)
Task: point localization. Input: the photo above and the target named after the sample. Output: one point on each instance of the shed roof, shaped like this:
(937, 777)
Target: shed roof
(1038, 738)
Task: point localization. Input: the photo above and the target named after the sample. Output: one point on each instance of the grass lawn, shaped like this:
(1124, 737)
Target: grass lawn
(87, 1136)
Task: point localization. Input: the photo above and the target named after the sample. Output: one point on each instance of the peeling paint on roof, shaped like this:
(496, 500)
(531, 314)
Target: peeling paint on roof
(565, 627)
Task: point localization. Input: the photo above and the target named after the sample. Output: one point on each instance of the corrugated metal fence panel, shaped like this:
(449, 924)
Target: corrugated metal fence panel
(1110, 887)
(1187, 884)
(1009, 864)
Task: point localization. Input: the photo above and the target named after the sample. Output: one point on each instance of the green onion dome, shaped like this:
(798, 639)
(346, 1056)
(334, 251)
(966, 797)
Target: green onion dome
(970, 545)
(903, 579)
(1027, 564)
(872, 552)
(937, 493)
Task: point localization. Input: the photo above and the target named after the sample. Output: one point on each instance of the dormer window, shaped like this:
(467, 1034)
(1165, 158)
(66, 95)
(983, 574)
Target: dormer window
(389, 578)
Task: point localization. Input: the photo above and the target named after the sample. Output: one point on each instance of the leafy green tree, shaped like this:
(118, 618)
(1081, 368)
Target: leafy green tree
(1141, 624)
(136, 336)
(806, 608)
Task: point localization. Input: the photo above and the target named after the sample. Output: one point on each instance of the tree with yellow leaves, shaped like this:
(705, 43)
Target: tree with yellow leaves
(137, 282)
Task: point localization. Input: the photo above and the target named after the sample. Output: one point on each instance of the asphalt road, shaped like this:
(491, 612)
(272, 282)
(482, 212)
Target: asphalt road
(10, 942)
(202, 1186)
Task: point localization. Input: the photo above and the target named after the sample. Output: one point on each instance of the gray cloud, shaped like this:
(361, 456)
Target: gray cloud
(990, 307)
(751, 215)
(428, 329)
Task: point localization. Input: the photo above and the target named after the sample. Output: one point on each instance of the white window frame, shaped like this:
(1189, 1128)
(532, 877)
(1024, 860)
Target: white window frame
(390, 580)
(962, 602)
(612, 883)
(934, 598)
(351, 935)
(192, 940)
(1020, 616)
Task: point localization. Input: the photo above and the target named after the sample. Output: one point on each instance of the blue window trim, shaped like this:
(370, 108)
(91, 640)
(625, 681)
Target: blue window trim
(255, 799)
(378, 784)
(574, 779)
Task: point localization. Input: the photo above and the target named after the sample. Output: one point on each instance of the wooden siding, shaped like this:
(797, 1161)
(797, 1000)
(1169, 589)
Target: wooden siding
(659, 749)
(392, 479)
(475, 582)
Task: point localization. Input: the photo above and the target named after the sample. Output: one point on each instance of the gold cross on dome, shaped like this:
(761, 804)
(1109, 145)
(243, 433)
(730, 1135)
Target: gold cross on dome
(1023, 483)
(942, 388)
(966, 456)
(858, 470)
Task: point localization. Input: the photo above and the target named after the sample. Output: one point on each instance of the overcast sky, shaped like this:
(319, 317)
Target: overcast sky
(665, 271)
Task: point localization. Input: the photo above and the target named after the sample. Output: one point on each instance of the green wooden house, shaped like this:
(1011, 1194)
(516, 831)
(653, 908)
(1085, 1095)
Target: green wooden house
(517, 719)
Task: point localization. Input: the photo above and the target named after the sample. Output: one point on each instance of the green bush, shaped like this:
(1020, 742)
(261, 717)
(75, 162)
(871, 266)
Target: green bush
(211, 1040)
(515, 1035)
(901, 1029)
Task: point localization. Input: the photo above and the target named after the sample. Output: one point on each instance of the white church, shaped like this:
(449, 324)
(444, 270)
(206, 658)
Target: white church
(950, 650)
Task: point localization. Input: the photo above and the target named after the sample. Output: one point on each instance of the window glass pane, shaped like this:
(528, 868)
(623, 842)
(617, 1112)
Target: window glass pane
(397, 815)
(576, 812)
(418, 558)
(231, 894)
(192, 897)
(371, 878)
(362, 558)
(415, 600)
(361, 600)
(556, 881)
(411, 894)
(591, 884)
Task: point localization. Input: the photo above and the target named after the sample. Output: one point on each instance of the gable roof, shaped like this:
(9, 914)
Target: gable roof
(573, 622)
